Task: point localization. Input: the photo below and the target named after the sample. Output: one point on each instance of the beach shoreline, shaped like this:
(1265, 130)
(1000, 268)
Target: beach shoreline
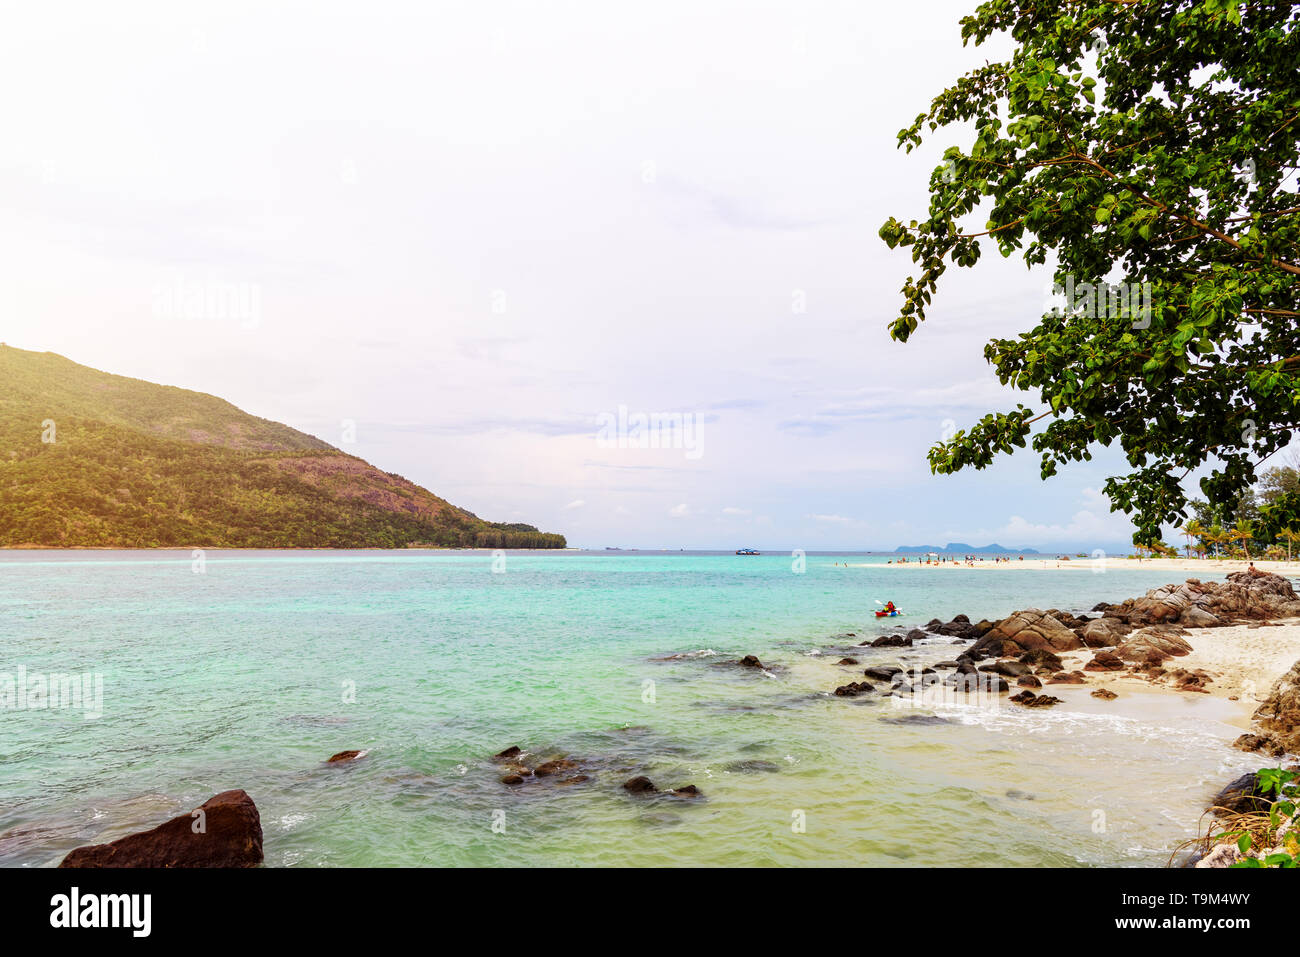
(1206, 567)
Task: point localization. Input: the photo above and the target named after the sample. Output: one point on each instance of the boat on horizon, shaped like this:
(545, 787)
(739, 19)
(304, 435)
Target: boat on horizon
(748, 551)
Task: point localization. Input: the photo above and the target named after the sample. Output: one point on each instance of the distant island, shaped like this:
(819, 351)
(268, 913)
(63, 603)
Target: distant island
(963, 549)
(94, 460)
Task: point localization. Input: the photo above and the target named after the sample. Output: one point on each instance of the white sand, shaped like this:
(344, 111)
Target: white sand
(1199, 568)
(1243, 660)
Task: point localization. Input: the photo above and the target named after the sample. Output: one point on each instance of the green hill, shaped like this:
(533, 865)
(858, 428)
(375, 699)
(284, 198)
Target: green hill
(133, 464)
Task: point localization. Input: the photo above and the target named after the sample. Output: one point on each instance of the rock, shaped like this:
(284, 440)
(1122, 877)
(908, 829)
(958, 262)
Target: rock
(1222, 855)
(1195, 617)
(511, 752)
(640, 785)
(934, 624)
(853, 689)
(883, 672)
(847, 661)
(1160, 643)
(344, 756)
(947, 665)
(513, 779)
(959, 627)
(1105, 661)
(1279, 715)
(548, 768)
(749, 661)
(1101, 606)
(687, 791)
(892, 641)
(576, 779)
(1031, 700)
(1008, 667)
(1258, 596)
(1026, 630)
(1105, 694)
(984, 682)
(1241, 796)
(1042, 660)
(916, 634)
(1103, 632)
(1263, 743)
(1067, 678)
(1028, 681)
(231, 836)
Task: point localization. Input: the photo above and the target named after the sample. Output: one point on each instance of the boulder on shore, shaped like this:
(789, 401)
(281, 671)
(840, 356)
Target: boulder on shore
(225, 831)
(1279, 716)
(1027, 630)
(1158, 642)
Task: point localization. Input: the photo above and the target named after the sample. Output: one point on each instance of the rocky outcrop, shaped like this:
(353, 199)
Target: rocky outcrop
(853, 689)
(893, 641)
(1248, 595)
(1027, 630)
(1277, 720)
(1105, 661)
(1030, 700)
(345, 757)
(225, 831)
(1153, 645)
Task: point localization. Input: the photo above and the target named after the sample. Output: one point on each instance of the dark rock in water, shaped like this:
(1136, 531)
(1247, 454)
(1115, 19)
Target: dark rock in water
(229, 835)
(511, 752)
(847, 661)
(960, 641)
(1007, 667)
(749, 661)
(547, 768)
(1102, 606)
(978, 682)
(934, 624)
(1242, 796)
(640, 785)
(513, 779)
(843, 635)
(925, 719)
(892, 641)
(576, 779)
(883, 672)
(1031, 700)
(1016, 795)
(1105, 694)
(687, 791)
(1028, 681)
(916, 634)
(344, 756)
(947, 664)
(752, 767)
(853, 689)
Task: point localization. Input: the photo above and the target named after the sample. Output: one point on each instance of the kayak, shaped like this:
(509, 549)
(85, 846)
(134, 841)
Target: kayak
(888, 614)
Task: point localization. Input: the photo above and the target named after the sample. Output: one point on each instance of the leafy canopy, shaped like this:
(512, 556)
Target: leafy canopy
(1131, 143)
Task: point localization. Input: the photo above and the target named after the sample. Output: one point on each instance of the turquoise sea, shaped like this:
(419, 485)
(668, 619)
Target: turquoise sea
(250, 670)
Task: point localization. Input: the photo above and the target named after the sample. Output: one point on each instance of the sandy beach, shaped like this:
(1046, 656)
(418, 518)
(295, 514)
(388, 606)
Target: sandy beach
(1189, 567)
(1243, 660)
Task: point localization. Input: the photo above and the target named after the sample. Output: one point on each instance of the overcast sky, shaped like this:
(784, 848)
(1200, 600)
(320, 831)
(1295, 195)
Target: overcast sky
(473, 229)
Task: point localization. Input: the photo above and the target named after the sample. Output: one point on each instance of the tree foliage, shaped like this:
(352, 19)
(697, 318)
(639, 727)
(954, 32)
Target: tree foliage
(1146, 148)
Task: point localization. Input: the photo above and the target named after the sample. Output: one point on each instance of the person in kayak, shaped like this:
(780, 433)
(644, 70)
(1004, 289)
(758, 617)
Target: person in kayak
(889, 607)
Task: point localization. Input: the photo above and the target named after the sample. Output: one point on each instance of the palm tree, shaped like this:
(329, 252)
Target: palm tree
(1216, 537)
(1243, 533)
(1194, 529)
(1290, 536)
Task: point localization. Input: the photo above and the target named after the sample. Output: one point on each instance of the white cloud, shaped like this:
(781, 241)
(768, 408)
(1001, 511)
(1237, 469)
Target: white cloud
(680, 511)
(731, 510)
(576, 503)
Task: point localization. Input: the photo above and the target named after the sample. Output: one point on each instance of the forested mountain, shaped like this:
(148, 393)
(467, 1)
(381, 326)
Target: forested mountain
(89, 459)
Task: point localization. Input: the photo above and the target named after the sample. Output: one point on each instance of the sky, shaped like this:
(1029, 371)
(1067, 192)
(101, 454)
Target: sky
(473, 242)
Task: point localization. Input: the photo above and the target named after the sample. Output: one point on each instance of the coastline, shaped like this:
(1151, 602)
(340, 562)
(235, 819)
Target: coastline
(1100, 566)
